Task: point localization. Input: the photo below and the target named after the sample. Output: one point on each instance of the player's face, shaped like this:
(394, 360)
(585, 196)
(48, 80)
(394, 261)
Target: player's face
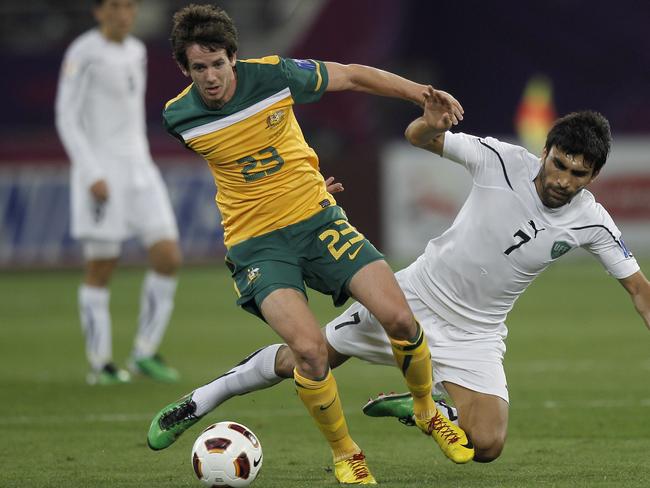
(213, 74)
(562, 176)
(116, 18)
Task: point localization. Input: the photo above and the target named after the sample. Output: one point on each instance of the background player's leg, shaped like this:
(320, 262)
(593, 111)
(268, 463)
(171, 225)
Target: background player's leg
(94, 299)
(485, 419)
(156, 306)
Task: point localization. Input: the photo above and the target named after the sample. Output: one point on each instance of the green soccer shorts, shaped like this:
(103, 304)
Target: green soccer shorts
(323, 252)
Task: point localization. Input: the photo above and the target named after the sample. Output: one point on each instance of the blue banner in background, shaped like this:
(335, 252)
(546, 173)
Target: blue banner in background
(35, 217)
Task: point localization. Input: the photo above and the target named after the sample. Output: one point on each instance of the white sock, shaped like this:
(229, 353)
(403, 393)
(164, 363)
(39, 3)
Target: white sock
(96, 324)
(255, 372)
(448, 411)
(156, 306)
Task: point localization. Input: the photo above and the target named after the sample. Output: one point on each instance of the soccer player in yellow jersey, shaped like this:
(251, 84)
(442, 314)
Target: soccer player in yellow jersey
(283, 229)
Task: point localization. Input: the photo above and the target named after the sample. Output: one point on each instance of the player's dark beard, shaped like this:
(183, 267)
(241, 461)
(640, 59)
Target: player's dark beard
(543, 193)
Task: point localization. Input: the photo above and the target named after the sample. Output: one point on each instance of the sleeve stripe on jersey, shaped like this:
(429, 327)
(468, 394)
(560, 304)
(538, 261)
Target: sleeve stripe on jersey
(503, 166)
(320, 78)
(224, 122)
(603, 227)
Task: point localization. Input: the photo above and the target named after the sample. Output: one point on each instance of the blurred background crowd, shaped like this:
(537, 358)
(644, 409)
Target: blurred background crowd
(513, 65)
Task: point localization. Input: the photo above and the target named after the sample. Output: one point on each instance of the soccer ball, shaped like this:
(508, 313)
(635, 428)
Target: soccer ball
(227, 454)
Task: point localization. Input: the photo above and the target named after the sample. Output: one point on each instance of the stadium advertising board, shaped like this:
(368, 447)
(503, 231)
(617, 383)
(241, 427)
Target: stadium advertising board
(35, 216)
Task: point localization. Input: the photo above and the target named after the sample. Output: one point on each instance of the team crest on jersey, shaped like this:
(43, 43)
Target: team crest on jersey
(275, 119)
(559, 248)
(252, 274)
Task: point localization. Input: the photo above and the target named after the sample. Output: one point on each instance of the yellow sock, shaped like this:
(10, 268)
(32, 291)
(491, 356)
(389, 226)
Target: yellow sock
(323, 403)
(414, 359)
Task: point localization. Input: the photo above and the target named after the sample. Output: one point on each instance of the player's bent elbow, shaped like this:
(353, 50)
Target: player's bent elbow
(415, 140)
(408, 135)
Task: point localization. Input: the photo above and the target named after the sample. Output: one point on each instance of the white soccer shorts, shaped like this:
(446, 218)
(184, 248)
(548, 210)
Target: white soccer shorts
(139, 209)
(474, 361)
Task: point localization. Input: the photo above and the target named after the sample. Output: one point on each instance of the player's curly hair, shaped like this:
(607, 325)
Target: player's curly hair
(206, 25)
(586, 132)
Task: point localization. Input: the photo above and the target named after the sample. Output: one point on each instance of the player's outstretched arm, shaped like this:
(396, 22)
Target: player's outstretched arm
(357, 77)
(441, 112)
(638, 287)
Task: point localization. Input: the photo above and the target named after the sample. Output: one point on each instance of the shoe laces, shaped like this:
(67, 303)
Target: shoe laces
(178, 414)
(444, 429)
(358, 465)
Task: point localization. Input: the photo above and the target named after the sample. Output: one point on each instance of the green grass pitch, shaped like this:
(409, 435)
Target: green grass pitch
(577, 365)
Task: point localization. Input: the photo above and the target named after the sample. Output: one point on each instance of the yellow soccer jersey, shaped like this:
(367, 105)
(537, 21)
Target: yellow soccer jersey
(266, 174)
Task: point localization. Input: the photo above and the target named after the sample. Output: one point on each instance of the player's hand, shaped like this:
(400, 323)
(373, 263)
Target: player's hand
(441, 110)
(99, 191)
(333, 186)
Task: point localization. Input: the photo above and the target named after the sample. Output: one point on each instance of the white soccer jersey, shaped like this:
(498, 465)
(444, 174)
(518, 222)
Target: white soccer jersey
(100, 117)
(100, 104)
(504, 237)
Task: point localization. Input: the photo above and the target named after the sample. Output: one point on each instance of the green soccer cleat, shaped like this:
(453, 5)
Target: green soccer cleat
(400, 406)
(155, 368)
(171, 422)
(108, 375)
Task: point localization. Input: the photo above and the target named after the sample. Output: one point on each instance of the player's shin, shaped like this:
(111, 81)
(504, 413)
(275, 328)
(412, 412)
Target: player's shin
(156, 306)
(96, 324)
(323, 403)
(254, 372)
(414, 359)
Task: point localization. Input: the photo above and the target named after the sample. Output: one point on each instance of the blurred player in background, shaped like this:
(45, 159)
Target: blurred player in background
(283, 228)
(117, 191)
(522, 214)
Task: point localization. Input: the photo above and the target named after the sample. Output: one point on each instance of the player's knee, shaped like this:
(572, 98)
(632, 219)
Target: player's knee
(175, 260)
(400, 324)
(487, 445)
(99, 272)
(168, 262)
(165, 257)
(310, 356)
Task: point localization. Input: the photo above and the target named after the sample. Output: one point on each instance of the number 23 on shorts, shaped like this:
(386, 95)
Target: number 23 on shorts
(340, 240)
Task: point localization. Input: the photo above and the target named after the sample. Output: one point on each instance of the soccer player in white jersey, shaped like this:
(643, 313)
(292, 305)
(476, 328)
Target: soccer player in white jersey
(116, 189)
(522, 214)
